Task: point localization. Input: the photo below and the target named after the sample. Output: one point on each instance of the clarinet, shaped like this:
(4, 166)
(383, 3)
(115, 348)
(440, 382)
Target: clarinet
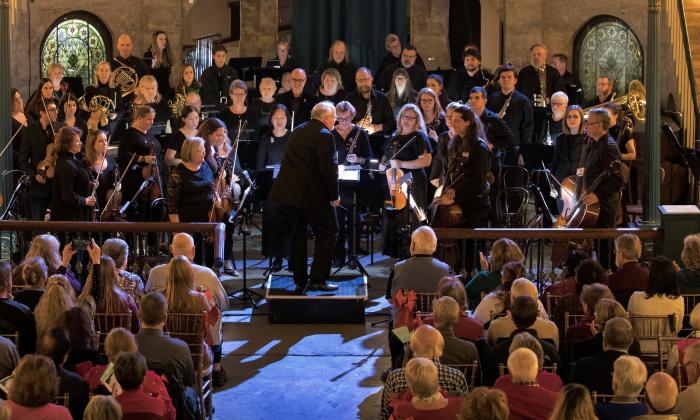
(506, 104)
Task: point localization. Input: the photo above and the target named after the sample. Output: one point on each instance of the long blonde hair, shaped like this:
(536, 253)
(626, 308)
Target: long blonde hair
(112, 299)
(47, 247)
(58, 297)
(179, 285)
(420, 122)
(140, 99)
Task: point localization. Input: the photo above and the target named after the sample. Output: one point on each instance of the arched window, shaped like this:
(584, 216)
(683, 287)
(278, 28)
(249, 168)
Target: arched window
(606, 46)
(78, 41)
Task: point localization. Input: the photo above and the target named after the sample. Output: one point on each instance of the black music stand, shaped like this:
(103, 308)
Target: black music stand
(240, 219)
(351, 176)
(245, 66)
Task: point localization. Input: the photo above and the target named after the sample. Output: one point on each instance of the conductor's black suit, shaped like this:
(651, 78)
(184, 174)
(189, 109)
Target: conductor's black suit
(306, 185)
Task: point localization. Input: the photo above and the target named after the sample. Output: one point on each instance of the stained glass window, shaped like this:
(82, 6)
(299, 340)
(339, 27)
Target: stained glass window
(606, 46)
(78, 41)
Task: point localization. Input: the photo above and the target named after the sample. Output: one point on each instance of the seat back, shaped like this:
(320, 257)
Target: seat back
(648, 328)
(665, 345)
(571, 319)
(14, 337)
(424, 302)
(690, 301)
(470, 371)
(104, 323)
(63, 400)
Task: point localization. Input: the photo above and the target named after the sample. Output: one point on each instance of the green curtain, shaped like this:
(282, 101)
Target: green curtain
(362, 24)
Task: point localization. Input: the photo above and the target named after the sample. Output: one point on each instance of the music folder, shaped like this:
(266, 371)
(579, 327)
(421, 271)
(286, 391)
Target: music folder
(350, 173)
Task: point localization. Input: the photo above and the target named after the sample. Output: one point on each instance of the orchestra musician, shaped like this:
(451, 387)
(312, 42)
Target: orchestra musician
(216, 79)
(190, 122)
(297, 100)
(273, 143)
(19, 122)
(621, 132)
(307, 187)
(189, 193)
(437, 84)
(433, 115)
(282, 58)
(265, 103)
(72, 198)
(157, 58)
(400, 90)
(125, 59)
(238, 114)
(36, 139)
(380, 118)
(417, 74)
(331, 87)
(472, 75)
(147, 94)
(568, 146)
(100, 86)
(392, 44)
(55, 72)
(555, 120)
(136, 158)
(515, 109)
(573, 87)
(439, 165)
(603, 91)
(414, 159)
(103, 168)
(191, 99)
(188, 81)
(69, 115)
(45, 92)
(538, 75)
(352, 148)
(339, 60)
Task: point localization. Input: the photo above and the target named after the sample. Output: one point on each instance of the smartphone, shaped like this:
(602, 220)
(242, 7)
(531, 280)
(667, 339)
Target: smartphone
(80, 244)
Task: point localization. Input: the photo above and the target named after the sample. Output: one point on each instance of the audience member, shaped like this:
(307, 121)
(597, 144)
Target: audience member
(662, 394)
(103, 407)
(78, 322)
(526, 399)
(485, 404)
(47, 247)
(130, 371)
(688, 406)
(55, 345)
(503, 327)
(426, 342)
(466, 328)
(677, 352)
(118, 250)
(34, 275)
(163, 354)
(629, 377)
(426, 400)
(573, 403)
(9, 357)
(630, 275)
(565, 296)
(546, 379)
(34, 386)
(689, 276)
(661, 297)
(5, 412)
(590, 296)
(595, 372)
(56, 300)
(503, 251)
(15, 316)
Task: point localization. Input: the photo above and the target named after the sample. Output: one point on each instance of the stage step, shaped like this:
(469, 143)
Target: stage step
(344, 306)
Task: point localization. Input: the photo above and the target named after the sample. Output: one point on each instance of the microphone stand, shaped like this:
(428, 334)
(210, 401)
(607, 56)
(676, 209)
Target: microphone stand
(143, 186)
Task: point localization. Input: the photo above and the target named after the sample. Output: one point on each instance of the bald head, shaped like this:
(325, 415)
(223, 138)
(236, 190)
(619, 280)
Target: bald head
(298, 81)
(523, 287)
(522, 365)
(426, 341)
(183, 245)
(662, 392)
(124, 45)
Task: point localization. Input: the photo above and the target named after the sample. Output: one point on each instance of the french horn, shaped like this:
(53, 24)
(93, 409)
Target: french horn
(124, 78)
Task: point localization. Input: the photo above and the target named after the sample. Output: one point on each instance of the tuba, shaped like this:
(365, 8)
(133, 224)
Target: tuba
(635, 102)
(124, 78)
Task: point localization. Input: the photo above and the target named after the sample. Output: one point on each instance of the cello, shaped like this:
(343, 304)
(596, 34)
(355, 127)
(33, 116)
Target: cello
(447, 215)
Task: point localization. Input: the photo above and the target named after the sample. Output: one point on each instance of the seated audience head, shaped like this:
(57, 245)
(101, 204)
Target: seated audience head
(183, 244)
(690, 256)
(454, 289)
(572, 262)
(628, 247)
(607, 309)
(423, 241)
(153, 310)
(78, 323)
(119, 340)
(522, 365)
(179, 285)
(663, 280)
(618, 335)
(422, 377)
(47, 247)
(588, 272)
(118, 250)
(35, 382)
(103, 407)
(524, 311)
(5, 279)
(58, 297)
(573, 403)
(526, 340)
(523, 287)
(592, 294)
(662, 392)
(629, 376)
(485, 404)
(130, 370)
(695, 317)
(511, 271)
(691, 361)
(34, 272)
(427, 341)
(55, 344)
(446, 312)
(504, 251)
(112, 299)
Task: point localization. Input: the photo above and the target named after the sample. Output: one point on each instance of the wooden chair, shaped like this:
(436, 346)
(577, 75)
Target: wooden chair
(503, 369)
(470, 371)
(14, 337)
(104, 323)
(424, 302)
(681, 377)
(63, 400)
(648, 329)
(665, 345)
(190, 329)
(690, 301)
(571, 319)
(552, 301)
(604, 398)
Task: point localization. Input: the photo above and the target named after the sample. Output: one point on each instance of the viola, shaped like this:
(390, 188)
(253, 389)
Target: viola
(397, 197)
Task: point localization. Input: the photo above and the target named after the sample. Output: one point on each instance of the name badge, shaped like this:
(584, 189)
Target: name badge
(579, 172)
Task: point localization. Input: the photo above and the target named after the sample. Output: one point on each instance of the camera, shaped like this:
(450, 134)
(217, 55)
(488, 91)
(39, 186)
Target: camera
(80, 244)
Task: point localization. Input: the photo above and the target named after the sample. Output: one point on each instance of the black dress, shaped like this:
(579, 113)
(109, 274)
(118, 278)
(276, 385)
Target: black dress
(339, 96)
(107, 179)
(175, 142)
(248, 146)
(190, 194)
(70, 189)
(16, 146)
(162, 75)
(133, 143)
(271, 150)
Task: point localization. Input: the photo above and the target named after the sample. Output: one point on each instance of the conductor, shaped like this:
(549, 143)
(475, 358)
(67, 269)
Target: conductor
(307, 188)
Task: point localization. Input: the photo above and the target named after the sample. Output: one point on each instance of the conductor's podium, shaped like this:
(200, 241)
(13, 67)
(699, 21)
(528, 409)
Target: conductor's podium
(343, 306)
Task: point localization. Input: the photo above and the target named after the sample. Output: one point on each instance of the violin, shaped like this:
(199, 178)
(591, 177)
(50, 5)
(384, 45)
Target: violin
(155, 189)
(397, 198)
(110, 211)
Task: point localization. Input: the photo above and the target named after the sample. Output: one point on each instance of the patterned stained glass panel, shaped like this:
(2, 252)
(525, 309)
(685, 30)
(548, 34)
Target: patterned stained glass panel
(77, 45)
(608, 47)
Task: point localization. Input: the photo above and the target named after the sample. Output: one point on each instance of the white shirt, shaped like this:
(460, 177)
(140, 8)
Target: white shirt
(203, 276)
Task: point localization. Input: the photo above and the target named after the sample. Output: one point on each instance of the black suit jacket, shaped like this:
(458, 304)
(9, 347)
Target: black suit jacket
(518, 115)
(302, 111)
(308, 177)
(31, 152)
(595, 372)
(461, 83)
(497, 131)
(77, 389)
(529, 82)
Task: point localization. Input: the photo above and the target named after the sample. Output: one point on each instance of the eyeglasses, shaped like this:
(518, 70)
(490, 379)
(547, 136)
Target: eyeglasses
(298, 80)
(239, 94)
(408, 56)
(593, 123)
(344, 119)
(52, 110)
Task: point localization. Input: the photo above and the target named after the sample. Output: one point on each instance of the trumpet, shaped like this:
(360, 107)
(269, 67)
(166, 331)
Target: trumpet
(125, 78)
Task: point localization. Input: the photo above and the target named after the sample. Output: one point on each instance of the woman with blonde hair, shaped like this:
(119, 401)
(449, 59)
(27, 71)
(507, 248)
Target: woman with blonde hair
(34, 386)
(179, 289)
(689, 275)
(47, 247)
(34, 274)
(103, 407)
(503, 251)
(147, 94)
(331, 87)
(574, 403)
(484, 403)
(433, 114)
(55, 301)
